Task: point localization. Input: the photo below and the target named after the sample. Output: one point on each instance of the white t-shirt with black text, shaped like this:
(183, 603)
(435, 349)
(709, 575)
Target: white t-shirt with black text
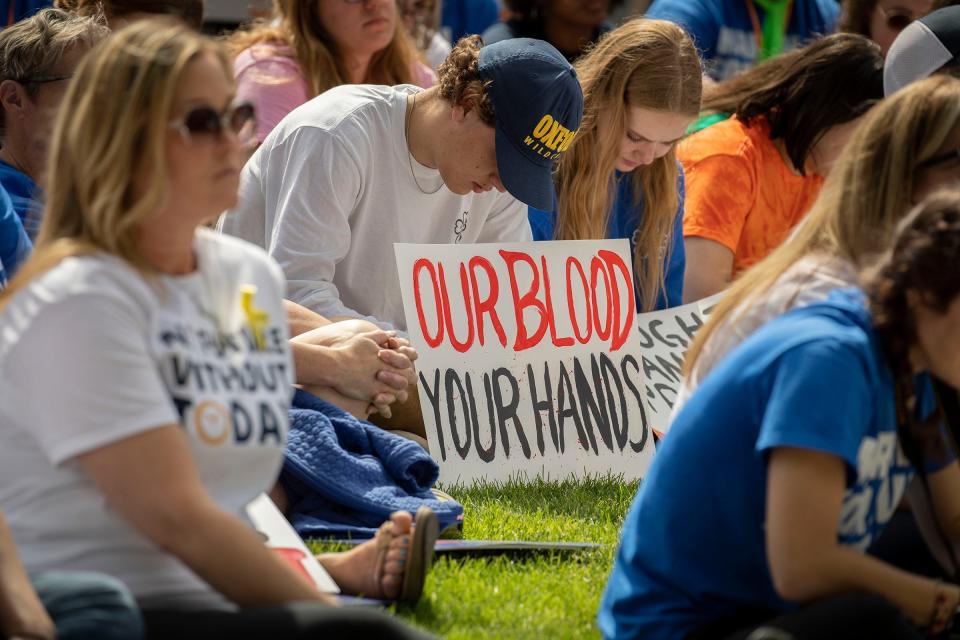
(92, 353)
(332, 189)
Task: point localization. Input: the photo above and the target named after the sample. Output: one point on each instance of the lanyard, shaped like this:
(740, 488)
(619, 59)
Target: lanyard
(776, 18)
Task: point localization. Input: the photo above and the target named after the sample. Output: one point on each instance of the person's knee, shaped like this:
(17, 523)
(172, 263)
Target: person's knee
(850, 615)
(90, 605)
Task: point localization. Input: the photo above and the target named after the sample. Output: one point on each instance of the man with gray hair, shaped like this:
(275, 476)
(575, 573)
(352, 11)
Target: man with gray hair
(37, 58)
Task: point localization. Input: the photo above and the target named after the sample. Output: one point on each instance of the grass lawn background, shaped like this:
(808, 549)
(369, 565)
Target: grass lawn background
(543, 596)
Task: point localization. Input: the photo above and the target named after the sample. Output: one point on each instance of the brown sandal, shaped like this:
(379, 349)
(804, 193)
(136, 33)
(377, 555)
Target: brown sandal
(419, 555)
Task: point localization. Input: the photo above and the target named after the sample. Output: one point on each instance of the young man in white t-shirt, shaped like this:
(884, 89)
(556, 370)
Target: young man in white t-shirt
(360, 167)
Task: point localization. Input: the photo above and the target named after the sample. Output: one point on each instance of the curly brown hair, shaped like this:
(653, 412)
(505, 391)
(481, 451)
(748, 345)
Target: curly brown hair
(459, 81)
(914, 270)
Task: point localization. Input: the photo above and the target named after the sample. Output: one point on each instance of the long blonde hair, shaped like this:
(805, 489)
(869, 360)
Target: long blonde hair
(869, 190)
(112, 124)
(650, 64)
(315, 50)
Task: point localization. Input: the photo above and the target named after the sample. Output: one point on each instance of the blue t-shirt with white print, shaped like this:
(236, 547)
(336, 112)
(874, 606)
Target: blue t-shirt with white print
(15, 246)
(724, 34)
(625, 223)
(692, 548)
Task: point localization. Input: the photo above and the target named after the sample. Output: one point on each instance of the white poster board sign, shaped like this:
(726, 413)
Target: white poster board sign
(664, 339)
(280, 536)
(529, 360)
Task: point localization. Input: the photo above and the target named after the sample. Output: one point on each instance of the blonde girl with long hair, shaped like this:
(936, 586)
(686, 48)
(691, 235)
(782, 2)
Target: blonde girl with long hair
(904, 148)
(759, 513)
(620, 177)
(310, 46)
(145, 367)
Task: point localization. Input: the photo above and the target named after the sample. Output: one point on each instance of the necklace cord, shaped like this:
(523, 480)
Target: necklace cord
(408, 118)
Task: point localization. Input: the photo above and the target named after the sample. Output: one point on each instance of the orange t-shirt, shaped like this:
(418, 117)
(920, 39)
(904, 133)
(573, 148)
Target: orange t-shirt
(740, 192)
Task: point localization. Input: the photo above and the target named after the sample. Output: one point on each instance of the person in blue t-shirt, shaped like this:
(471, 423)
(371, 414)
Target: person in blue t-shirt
(569, 25)
(468, 17)
(37, 59)
(16, 10)
(792, 456)
(620, 177)
(733, 35)
(15, 246)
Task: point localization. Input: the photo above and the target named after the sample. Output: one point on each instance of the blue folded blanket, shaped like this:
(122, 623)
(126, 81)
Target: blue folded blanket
(344, 476)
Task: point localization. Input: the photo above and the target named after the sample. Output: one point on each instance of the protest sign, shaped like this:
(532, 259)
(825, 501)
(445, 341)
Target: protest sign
(529, 361)
(664, 338)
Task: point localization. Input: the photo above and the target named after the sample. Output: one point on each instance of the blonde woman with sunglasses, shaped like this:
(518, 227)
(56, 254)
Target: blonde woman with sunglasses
(145, 364)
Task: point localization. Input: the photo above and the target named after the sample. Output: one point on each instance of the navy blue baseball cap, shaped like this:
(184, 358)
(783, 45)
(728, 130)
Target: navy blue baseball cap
(538, 104)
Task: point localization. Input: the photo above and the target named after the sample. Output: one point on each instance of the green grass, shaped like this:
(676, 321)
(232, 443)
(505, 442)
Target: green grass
(546, 596)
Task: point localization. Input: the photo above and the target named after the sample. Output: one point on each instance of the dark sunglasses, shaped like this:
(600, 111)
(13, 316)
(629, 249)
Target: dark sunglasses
(205, 121)
(896, 19)
(942, 158)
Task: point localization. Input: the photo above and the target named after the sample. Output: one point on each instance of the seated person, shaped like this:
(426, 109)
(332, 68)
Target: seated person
(165, 348)
(461, 18)
(569, 25)
(751, 178)
(66, 605)
(734, 35)
(929, 45)
(884, 20)
(421, 18)
(900, 154)
(804, 439)
(361, 167)
(15, 245)
(120, 12)
(16, 10)
(37, 58)
(310, 47)
(620, 178)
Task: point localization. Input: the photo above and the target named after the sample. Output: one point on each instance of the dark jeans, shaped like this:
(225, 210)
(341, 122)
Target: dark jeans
(88, 606)
(846, 617)
(295, 621)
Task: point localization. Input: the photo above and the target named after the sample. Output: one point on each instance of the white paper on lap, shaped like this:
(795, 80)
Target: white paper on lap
(282, 538)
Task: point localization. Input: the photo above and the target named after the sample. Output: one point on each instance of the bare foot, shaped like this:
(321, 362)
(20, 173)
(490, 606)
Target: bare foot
(374, 568)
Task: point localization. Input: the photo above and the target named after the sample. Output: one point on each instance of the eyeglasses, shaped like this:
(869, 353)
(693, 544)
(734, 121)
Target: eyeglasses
(205, 121)
(896, 19)
(942, 158)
